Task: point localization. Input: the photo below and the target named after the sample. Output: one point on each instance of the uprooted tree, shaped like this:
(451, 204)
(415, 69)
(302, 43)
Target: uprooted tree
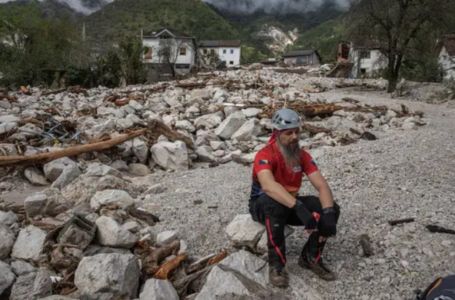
(393, 26)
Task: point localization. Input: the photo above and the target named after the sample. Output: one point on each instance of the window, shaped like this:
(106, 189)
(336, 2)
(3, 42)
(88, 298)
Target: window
(148, 53)
(205, 51)
(182, 66)
(231, 62)
(232, 51)
(182, 51)
(224, 51)
(365, 54)
(212, 51)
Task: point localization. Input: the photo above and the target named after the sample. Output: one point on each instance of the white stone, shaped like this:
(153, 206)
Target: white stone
(230, 125)
(139, 169)
(108, 276)
(111, 233)
(156, 289)
(53, 169)
(243, 231)
(29, 243)
(248, 130)
(140, 149)
(99, 170)
(209, 121)
(35, 176)
(167, 237)
(173, 156)
(251, 112)
(107, 197)
(205, 154)
(8, 218)
(185, 125)
(35, 204)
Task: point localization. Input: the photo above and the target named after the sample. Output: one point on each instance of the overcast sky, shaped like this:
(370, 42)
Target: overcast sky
(239, 6)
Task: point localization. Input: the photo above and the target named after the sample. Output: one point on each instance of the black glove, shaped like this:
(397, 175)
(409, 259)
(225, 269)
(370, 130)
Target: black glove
(328, 222)
(310, 220)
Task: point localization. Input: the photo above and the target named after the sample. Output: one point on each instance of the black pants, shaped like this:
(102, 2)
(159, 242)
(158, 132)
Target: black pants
(275, 216)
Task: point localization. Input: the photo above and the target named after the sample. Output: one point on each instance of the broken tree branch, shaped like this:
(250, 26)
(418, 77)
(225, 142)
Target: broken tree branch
(70, 151)
(166, 269)
(439, 229)
(401, 221)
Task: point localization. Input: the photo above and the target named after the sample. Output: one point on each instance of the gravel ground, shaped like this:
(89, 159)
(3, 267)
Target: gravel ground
(403, 174)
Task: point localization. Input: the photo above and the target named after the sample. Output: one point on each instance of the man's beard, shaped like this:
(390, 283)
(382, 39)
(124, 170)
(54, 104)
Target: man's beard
(291, 153)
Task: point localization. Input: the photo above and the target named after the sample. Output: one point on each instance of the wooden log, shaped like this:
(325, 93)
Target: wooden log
(314, 129)
(70, 151)
(166, 269)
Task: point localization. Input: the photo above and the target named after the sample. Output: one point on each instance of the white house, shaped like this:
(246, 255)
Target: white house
(215, 51)
(367, 62)
(362, 60)
(169, 48)
(447, 57)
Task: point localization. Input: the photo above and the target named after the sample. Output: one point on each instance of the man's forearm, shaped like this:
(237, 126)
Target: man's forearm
(277, 192)
(326, 197)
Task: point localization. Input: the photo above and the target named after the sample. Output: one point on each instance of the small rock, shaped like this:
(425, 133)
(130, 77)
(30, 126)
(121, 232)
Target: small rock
(100, 170)
(8, 218)
(140, 150)
(169, 155)
(21, 267)
(7, 238)
(139, 169)
(111, 233)
(54, 169)
(35, 176)
(166, 237)
(107, 197)
(243, 231)
(155, 289)
(248, 130)
(35, 204)
(6, 277)
(230, 125)
(33, 285)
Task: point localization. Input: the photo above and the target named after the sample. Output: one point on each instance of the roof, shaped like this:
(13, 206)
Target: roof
(219, 43)
(168, 31)
(300, 53)
(449, 43)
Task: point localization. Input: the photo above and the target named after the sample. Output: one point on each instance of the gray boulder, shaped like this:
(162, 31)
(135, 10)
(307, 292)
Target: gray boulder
(6, 241)
(6, 277)
(230, 125)
(35, 176)
(108, 276)
(53, 169)
(29, 243)
(21, 267)
(170, 156)
(140, 150)
(243, 231)
(111, 233)
(209, 121)
(155, 289)
(248, 130)
(34, 285)
(139, 169)
(35, 204)
(107, 197)
(7, 218)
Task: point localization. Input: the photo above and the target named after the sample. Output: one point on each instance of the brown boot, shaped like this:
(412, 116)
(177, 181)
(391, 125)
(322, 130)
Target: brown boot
(278, 278)
(318, 267)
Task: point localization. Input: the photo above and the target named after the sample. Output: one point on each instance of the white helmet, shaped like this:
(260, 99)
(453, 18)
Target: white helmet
(285, 118)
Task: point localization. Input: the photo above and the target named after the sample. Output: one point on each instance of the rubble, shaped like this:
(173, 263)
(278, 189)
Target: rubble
(155, 289)
(34, 285)
(243, 231)
(6, 242)
(6, 277)
(111, 233)
(29, 243)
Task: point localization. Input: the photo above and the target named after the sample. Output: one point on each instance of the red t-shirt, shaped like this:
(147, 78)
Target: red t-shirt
(270, 158)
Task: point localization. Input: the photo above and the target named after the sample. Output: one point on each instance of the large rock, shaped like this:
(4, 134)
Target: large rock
(34, 285)
(170, 156)
(108, 276)
(6, 241)
(6, 277)
(21, 267)
(35, 204)
(230, 125)
(241, 274)
(111, 233)
(155, 289)
(167, 237)
(29, 244)
(248, 130)
(108, 197)
(49, 202)
(243, 231)
(205, 154)
(209, 121)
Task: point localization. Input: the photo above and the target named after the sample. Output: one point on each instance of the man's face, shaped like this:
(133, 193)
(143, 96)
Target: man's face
(289, 137)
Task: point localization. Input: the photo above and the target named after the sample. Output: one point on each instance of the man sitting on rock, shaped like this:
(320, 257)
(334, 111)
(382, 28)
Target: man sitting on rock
(277, 177)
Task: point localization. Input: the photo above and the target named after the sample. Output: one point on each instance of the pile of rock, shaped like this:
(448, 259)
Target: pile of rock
(223, 116)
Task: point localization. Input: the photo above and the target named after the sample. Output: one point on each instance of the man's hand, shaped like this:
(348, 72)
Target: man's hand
(310, 220)
(328, 223)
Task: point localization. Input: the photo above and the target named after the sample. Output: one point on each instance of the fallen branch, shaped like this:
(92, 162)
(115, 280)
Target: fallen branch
(166, 269)
(439, 229)
(314, 129)
(70, 151)
(401, 221)
(143, 215)
(152, 257)
(157, 128)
